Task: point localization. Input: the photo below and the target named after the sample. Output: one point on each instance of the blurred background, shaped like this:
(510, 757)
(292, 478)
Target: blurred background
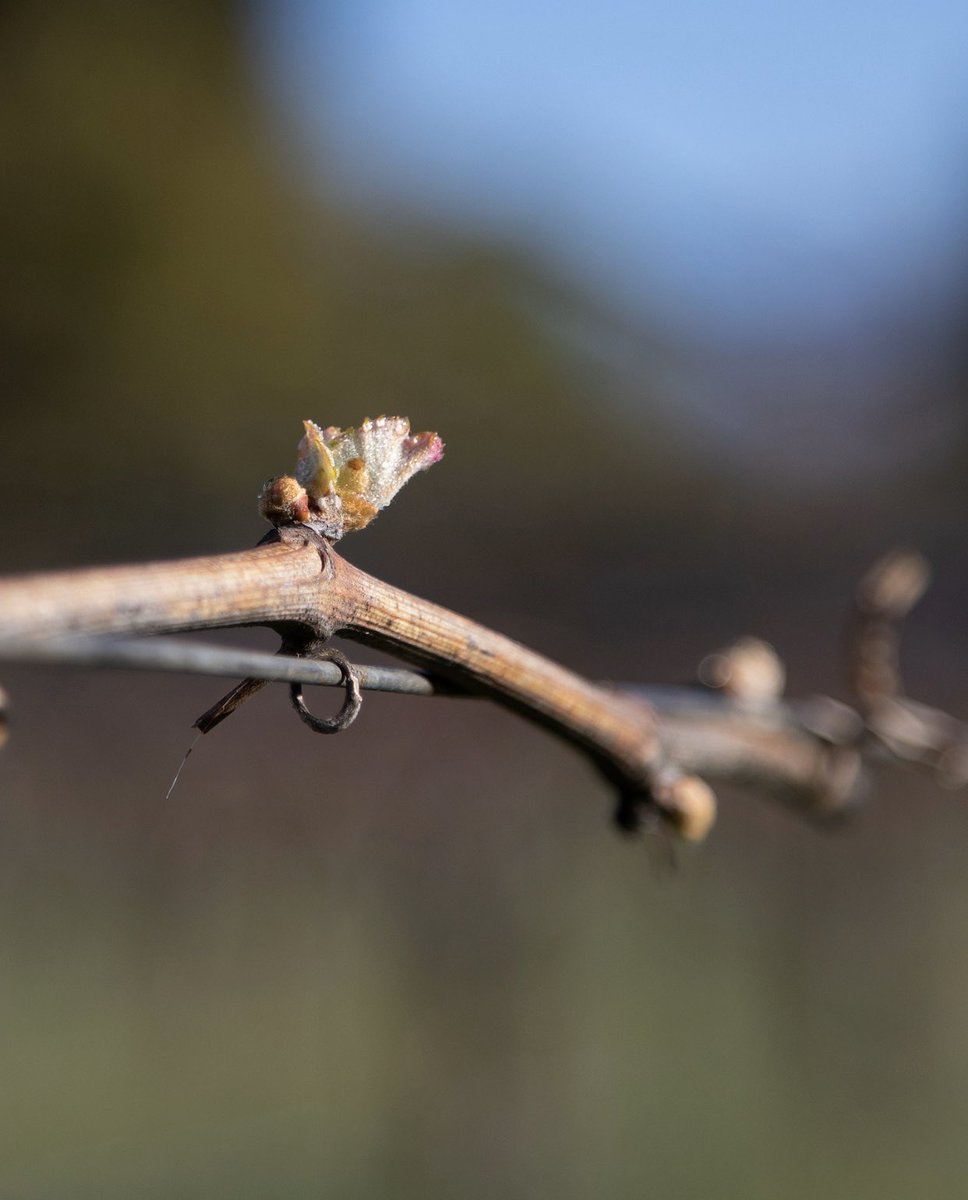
(683, 288)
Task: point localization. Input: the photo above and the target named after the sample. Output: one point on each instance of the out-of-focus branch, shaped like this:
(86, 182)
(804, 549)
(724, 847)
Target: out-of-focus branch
(910, 730)
(884, 597)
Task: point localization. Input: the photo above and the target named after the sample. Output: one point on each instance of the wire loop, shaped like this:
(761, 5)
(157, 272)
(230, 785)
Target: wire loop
(351, 705)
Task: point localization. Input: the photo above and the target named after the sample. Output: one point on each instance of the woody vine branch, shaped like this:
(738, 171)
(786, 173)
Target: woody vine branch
(656, 754)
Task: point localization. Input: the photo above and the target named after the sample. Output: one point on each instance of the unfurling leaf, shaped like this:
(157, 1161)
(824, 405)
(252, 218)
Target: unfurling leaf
(345, 476)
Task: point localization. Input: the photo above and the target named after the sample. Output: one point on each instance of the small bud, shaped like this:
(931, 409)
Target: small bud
(284, 500)
(894, 584)
(749, 671)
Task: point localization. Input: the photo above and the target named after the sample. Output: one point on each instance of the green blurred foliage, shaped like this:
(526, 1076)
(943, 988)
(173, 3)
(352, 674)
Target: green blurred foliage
(412, 961)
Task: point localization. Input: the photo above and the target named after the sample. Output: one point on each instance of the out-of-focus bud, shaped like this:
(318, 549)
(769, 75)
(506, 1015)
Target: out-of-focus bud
(749, 671)
(894, 584)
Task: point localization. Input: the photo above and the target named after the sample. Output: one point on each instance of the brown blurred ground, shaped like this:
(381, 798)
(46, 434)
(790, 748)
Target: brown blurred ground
(414, 960)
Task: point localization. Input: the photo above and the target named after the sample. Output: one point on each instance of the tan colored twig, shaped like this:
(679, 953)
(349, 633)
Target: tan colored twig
(296, 584)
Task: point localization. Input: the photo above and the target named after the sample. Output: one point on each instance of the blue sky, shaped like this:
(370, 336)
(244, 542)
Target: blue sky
(741, 177)
(736, 164)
